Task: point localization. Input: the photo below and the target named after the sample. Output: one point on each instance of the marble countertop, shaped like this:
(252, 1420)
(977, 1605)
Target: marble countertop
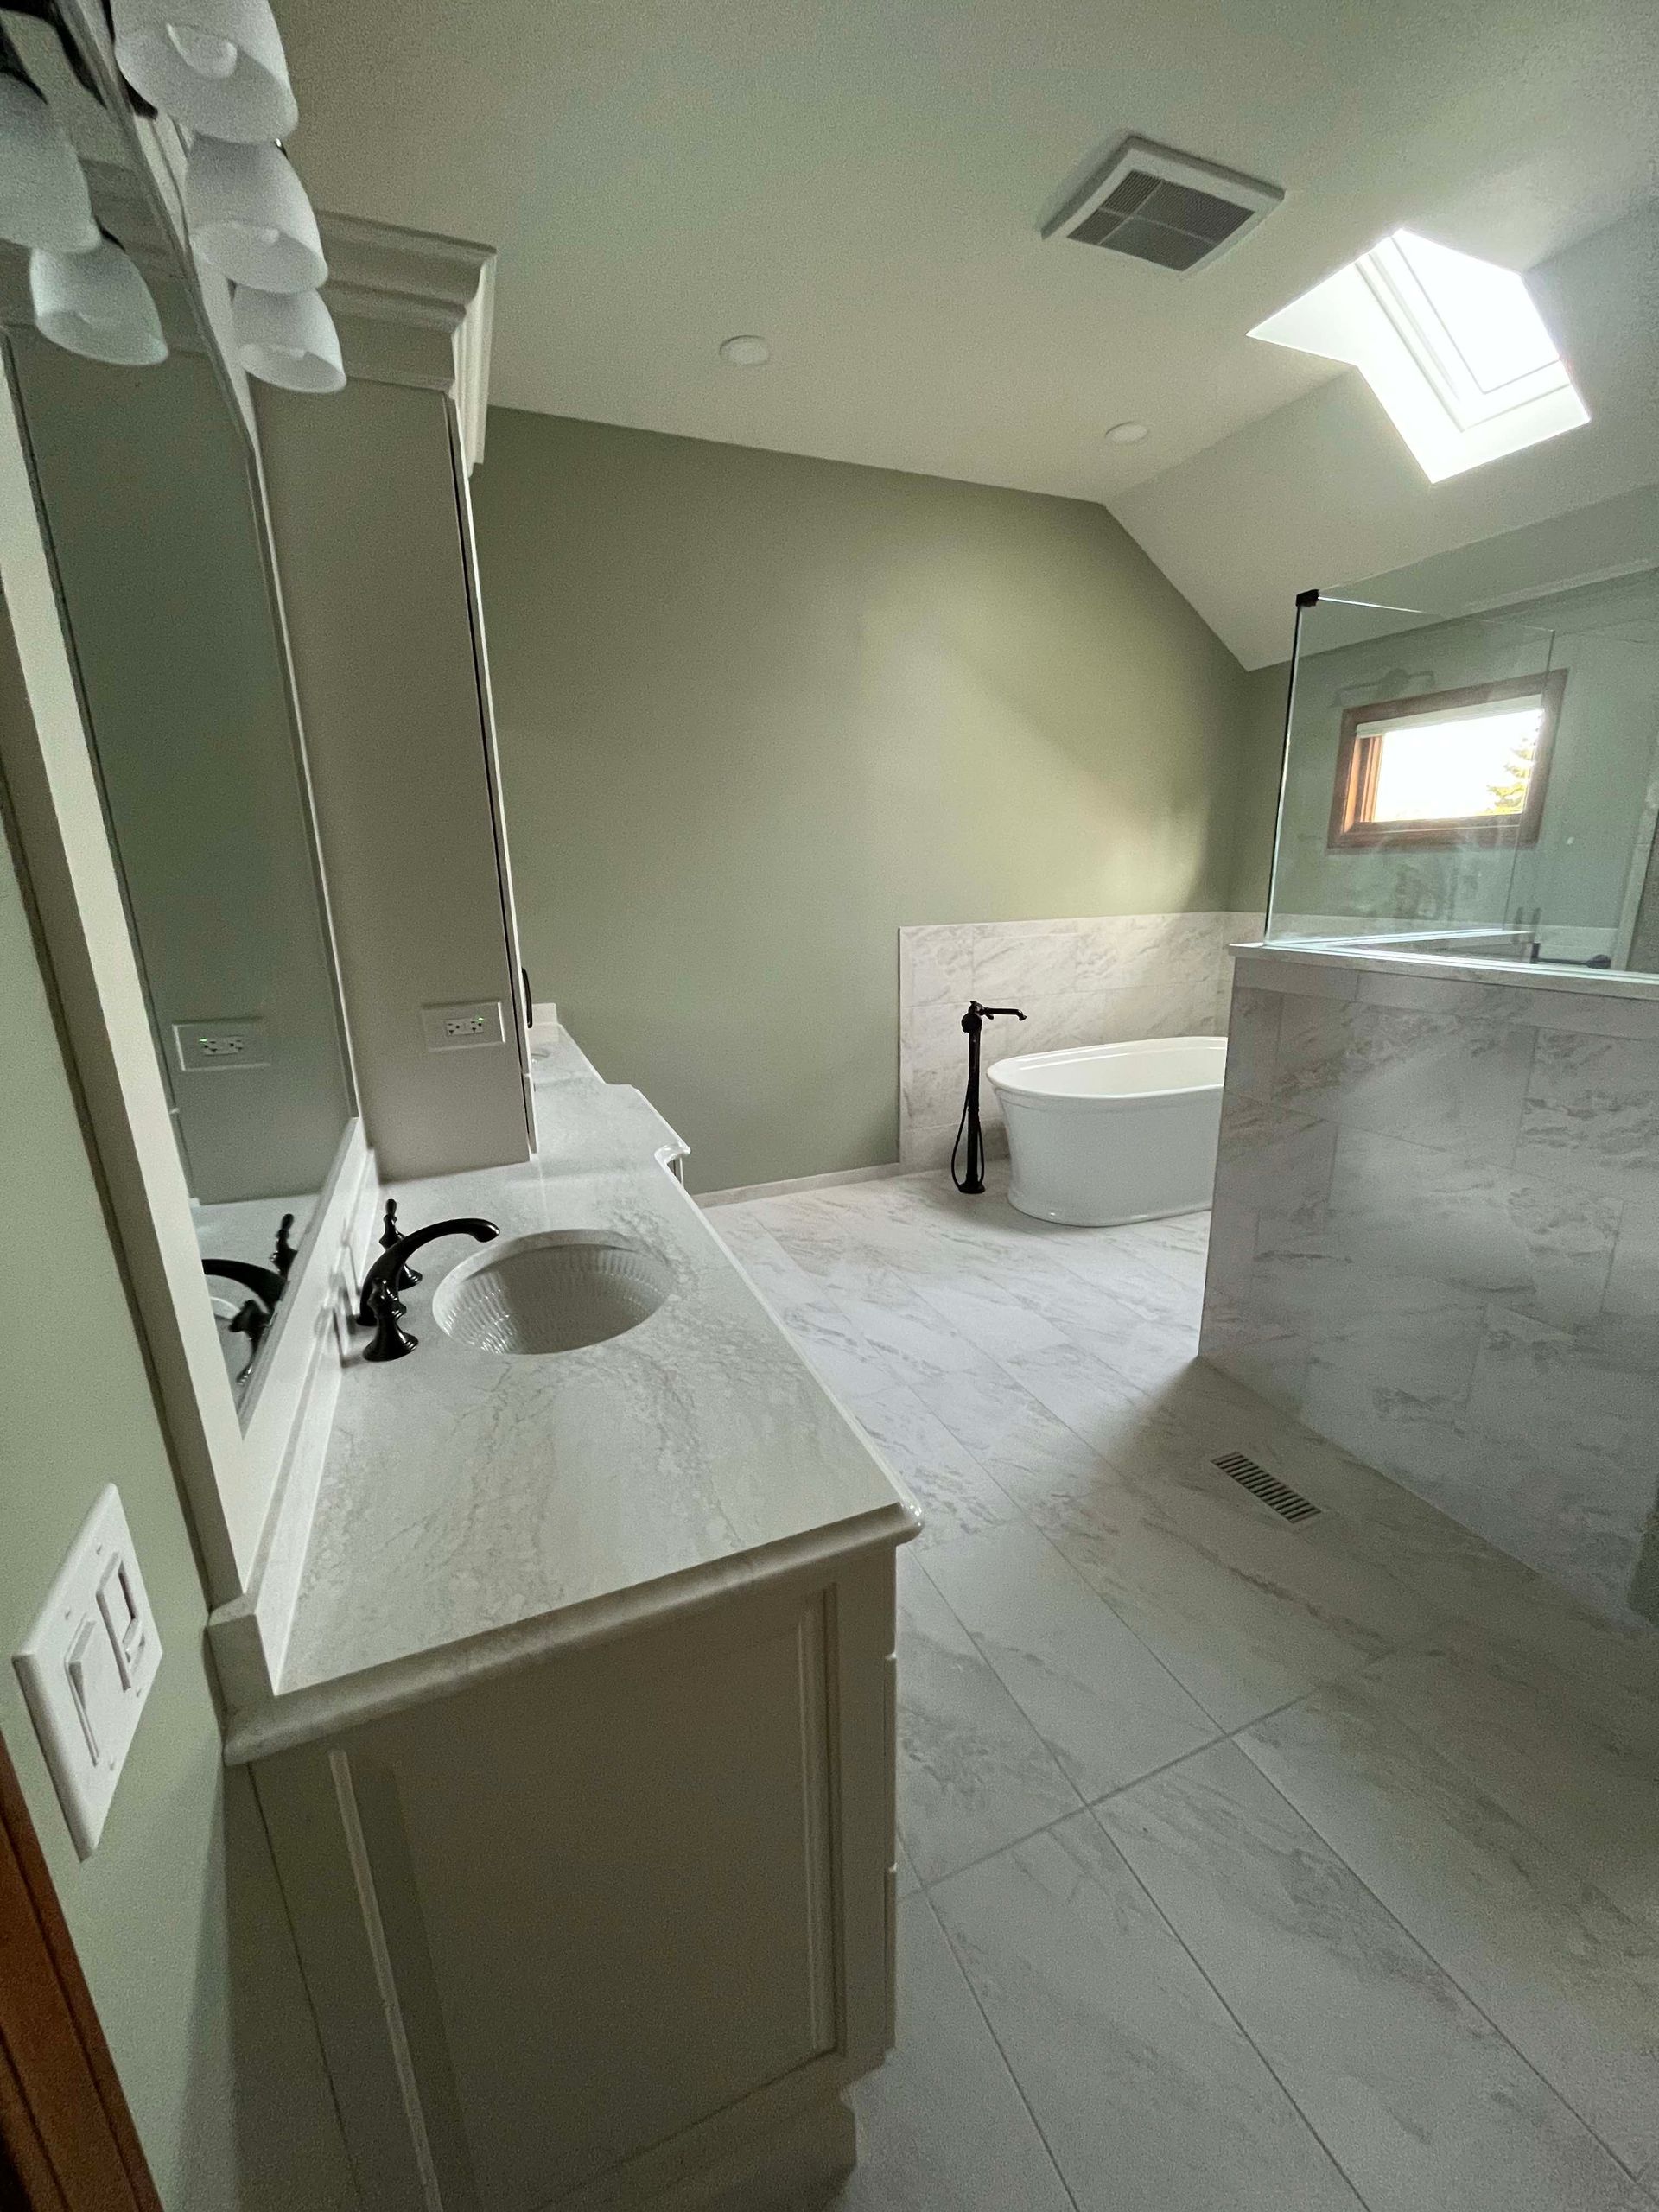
(476, 1510)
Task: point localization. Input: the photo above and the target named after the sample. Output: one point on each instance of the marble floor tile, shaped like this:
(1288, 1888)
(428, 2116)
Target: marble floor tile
(1569, 1978)
(996, 1317)
(914, 1340)
(1244, 1613)
(942, 2124)
(1141, 1279)
(955, 1494)
(1148, 2092)
(1029, 1452)
(1107, 1410)
(782, 1281)
(842, 1356)
(974, 1775)
(1575, 1655)
(1579, 1779)
(1416, 2095)
(1108, 1710)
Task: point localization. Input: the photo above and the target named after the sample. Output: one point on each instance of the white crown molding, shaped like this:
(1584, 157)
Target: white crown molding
(414, 308)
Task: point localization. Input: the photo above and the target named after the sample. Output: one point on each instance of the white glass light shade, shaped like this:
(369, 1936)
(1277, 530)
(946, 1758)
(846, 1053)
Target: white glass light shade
(249, 215)
(286, 337)
(43, 197)
(95, 303)
(217, 64)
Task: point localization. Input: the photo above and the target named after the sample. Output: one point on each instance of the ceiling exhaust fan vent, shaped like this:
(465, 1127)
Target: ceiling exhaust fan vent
(1155, 205)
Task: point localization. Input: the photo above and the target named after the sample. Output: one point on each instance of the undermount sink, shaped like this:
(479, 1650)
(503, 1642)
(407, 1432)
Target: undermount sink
(555, 1292)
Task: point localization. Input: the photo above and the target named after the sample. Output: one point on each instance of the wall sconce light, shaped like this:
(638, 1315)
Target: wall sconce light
(248, 214)
(215, 65)
(287, 339)
(43, 197)
(96, 304)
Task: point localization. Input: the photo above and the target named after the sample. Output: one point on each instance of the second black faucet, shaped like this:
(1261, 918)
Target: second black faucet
(378, 1306)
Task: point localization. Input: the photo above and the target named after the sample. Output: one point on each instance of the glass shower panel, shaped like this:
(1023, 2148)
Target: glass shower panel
(1589, 887)
(1419, 763)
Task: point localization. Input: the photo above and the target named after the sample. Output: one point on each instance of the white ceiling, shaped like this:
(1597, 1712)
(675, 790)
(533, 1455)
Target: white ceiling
(862, 181)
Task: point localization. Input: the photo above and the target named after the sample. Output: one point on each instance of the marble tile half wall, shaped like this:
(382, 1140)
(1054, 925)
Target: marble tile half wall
(1436, 1240)
(1089, 982)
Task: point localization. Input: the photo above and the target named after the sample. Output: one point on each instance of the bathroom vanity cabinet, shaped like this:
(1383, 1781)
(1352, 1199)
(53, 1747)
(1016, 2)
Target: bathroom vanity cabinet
(613, 1928)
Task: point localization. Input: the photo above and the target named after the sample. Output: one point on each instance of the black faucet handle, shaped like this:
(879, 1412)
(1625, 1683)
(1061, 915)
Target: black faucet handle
(284, 1255)
(406, 1277)
(390, 1341)
(390, 1272)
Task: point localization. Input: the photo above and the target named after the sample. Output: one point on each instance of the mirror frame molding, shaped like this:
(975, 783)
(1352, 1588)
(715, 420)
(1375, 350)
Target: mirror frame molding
(230, 1473)
(230, 1459)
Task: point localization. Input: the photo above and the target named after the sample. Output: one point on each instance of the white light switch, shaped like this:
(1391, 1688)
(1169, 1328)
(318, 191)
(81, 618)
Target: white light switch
(87, 1666)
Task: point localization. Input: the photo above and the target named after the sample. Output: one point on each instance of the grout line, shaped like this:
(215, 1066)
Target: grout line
(1090, 1805)
(1420, 1944)
(1273, 2071)
(990, 2029)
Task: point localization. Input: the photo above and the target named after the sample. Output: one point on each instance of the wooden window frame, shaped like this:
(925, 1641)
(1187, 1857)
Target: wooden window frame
(1358, 758)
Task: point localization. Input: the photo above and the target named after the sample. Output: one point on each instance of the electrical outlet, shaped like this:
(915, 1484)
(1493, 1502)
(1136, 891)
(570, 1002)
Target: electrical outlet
(454, 1028)
(227, 1041)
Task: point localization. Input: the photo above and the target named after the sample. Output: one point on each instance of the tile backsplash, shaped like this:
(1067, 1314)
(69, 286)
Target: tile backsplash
(1084, 981)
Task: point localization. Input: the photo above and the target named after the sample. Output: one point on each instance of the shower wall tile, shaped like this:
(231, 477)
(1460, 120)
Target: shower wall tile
(1591, 1114)
(1079, 981)
(1436, 1240)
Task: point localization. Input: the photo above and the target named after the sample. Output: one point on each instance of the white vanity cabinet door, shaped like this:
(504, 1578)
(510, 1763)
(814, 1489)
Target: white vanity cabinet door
(583, 1929)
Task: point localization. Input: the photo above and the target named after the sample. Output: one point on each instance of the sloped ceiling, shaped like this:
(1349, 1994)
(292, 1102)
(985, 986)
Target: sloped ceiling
(862, 182)
(1321, 492)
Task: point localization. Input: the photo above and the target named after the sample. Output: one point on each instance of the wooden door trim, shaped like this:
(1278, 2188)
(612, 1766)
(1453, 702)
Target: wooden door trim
(66, 2131)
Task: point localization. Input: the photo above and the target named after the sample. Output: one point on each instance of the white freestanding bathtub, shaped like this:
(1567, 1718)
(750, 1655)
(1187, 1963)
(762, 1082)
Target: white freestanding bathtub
(1104, 1133)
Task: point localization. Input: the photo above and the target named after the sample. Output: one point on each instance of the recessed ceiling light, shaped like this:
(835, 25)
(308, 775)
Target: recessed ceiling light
(1127, 434)
(745, 353)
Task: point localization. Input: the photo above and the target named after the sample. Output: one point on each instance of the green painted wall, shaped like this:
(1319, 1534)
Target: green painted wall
(756, 711)
(1261, 744)
(176, 1916)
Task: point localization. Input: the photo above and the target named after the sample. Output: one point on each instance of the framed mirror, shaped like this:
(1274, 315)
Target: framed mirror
(147, 503)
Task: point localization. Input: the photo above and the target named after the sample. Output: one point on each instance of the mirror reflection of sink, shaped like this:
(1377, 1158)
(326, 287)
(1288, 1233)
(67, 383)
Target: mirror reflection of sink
(554, 1292)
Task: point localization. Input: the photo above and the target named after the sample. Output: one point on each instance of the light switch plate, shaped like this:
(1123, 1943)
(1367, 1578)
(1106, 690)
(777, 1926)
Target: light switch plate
(87, 1667)
(454, 1028)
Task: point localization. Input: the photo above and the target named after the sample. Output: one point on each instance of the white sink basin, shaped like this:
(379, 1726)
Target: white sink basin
(555, 1292)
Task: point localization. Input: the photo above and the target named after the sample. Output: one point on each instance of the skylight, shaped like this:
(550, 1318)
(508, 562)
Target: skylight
(1452, 345)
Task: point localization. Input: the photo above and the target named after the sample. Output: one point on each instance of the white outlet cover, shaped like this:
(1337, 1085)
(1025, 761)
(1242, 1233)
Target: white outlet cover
(464, 1026)
(217, 1047)
(87, 1667)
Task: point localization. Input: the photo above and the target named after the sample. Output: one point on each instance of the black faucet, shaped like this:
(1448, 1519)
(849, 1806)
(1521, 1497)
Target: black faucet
(264, 1282)
(406, 1277)
(257, 1314)
(283, 1256)
(378, 1308)
(971, 1184)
